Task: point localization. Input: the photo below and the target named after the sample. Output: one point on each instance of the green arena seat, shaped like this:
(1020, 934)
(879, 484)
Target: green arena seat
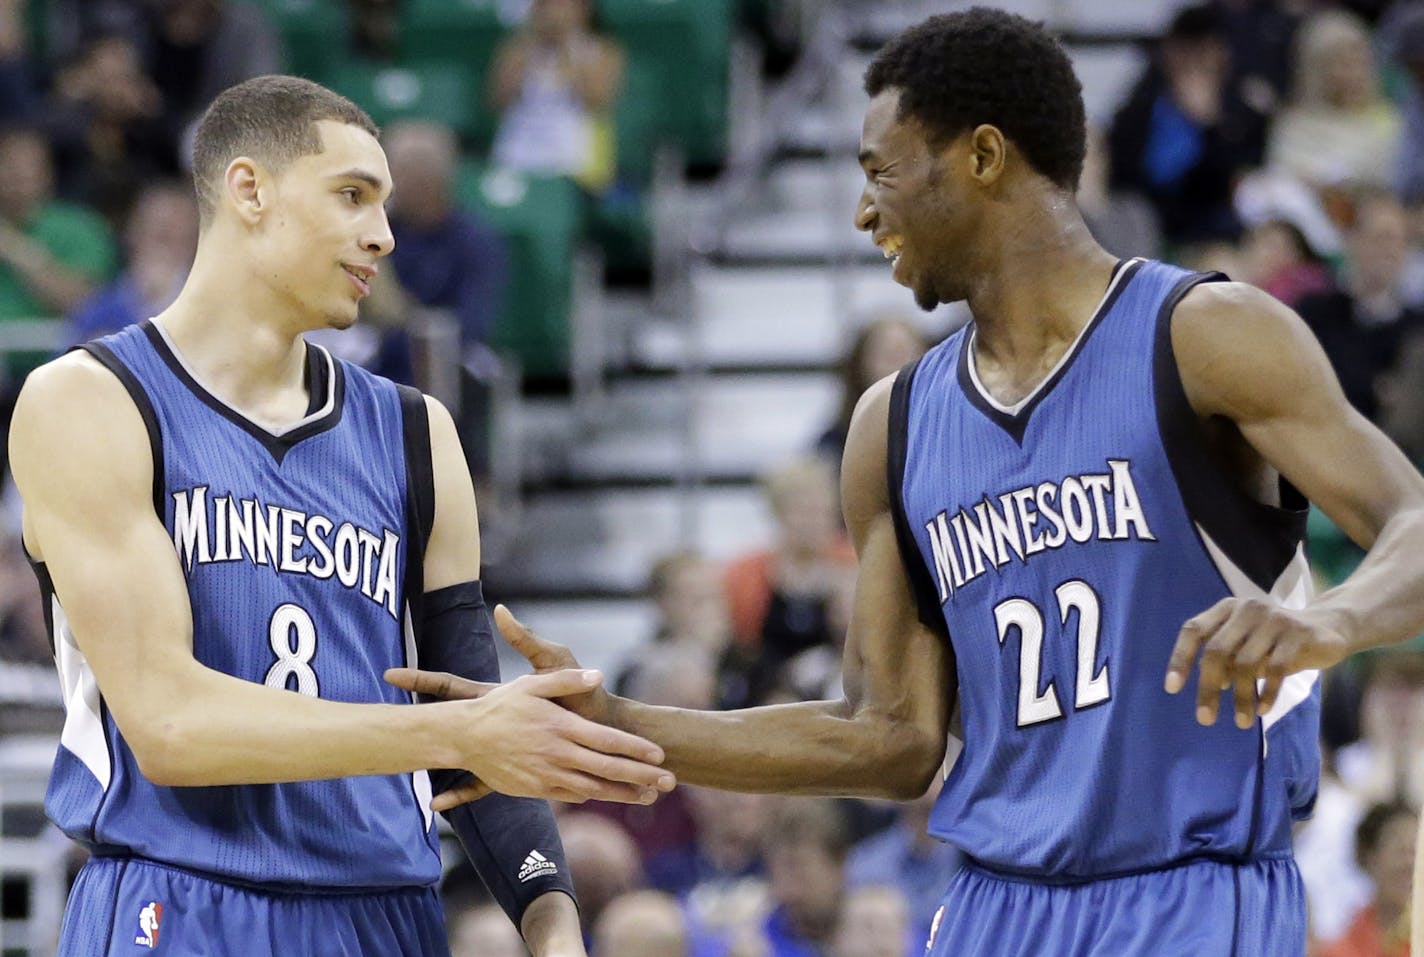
(429, 91)
(462, 33)
(316, 33)
(686, 44)
(542, 219)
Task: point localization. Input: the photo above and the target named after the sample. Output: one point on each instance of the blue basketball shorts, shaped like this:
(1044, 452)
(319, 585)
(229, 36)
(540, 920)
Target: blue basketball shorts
(1200, 909)
(123, 907)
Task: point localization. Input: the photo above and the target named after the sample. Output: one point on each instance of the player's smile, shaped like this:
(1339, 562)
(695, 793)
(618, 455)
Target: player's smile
(361, 277)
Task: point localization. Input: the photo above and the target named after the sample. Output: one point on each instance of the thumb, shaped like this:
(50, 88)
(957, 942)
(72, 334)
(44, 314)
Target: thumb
(561, 683)
(540, 653)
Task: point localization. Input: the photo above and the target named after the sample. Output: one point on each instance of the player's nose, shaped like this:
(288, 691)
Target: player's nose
(865, 212)
(379, 239)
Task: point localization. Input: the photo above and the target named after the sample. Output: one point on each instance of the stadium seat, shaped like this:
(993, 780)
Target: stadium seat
(429, 91)
(316, 33)
(542, 219)
(685, 44)
(462, 34)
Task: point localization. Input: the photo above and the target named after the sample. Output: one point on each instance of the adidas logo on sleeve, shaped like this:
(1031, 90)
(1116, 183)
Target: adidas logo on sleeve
(536, 865)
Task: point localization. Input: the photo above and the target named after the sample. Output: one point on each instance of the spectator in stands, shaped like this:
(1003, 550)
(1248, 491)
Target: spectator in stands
(1360, 324)
(875, 923)
(1400, 391)
(555, 84)
(641, 924)
(1183, 134)
(1401, 38)
(782, 599)
(686, 589)
(24, 638)
(603, 862)
(730, 830)
(52, 254)
(105, 126)
(19, 86)
(680, 675)
(1383, 766)
(1339, 132)
(907, 857)
(446, 257)
(195, 49)
(1281, 261)
(160, 239)
(884, 344)
(1124, 222)
(1384, 847)
(483, 930)
(806, 852)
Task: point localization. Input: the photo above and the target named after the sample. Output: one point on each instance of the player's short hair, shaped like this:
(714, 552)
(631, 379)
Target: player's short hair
(269, 118)
(956, 71)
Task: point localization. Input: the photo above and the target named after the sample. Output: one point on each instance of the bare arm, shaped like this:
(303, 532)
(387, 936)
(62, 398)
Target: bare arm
(596, 70)
(886, 737)
(507, 74)
(1248, 359)
(81, 458)
(59, 287)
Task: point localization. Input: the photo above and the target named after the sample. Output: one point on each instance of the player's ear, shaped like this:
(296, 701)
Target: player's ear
(987, 152)
(244, 186)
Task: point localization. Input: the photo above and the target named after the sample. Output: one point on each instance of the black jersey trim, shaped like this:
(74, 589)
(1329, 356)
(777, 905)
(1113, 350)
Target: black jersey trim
(314, 373)
(419, 497)
(1016, 423)
(124, 374)
(1259, 539)
(897, 453)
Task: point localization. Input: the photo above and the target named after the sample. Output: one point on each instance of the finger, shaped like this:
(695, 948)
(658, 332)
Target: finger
(560, 684)
(440, 684)
(1270, 690)
(461, 794)
(1214, 674)
(618, 770)
(598, 737)
(1244, 693)
(588, 787)
(543, 655)
(1190, 639)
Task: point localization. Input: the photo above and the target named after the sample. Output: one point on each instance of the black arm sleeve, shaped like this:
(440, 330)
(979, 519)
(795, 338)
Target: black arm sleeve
(512, 842)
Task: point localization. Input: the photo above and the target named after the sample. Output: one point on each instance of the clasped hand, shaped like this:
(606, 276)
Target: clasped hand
(542, 735)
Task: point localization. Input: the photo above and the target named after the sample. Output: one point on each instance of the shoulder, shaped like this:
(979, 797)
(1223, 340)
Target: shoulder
(1237, 347)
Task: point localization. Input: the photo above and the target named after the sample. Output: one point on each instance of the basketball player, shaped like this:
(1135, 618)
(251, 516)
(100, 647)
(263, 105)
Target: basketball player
(236, 535)
(1091, 487)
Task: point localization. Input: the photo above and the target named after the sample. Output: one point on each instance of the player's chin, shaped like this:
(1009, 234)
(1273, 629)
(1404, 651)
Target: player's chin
(343, 318)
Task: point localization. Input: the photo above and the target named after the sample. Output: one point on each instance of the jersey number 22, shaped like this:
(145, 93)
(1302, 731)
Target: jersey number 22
(1035, 707)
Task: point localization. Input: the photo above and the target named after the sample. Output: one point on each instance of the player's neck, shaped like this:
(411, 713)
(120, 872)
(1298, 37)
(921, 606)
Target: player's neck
(232, 334)
(1038, 286)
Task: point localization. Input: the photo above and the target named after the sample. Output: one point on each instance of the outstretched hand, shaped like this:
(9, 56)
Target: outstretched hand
(601, 775)
(1243, 641)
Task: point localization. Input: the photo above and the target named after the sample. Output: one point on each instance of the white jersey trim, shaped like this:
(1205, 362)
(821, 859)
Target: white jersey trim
(420, 780)
(83, 733)
(1292, 589)
(1066, 358)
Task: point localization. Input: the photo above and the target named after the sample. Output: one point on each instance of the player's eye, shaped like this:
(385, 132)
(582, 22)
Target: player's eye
(353, 194)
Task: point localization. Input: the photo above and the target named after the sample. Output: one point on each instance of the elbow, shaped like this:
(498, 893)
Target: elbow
(912, 764)
(164, 759)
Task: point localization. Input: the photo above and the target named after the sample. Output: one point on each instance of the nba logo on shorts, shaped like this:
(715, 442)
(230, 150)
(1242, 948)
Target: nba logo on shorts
(148, 921)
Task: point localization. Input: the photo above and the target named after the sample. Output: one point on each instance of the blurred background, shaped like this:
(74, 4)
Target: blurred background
(625, 261)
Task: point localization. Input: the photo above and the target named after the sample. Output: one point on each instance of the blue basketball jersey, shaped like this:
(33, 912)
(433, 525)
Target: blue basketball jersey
(302, 553)
(1061, 544)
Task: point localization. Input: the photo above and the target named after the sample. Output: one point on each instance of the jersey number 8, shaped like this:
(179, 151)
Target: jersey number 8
(294, 657)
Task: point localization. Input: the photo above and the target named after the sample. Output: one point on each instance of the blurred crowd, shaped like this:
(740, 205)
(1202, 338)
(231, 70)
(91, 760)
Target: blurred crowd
(1278, 141)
